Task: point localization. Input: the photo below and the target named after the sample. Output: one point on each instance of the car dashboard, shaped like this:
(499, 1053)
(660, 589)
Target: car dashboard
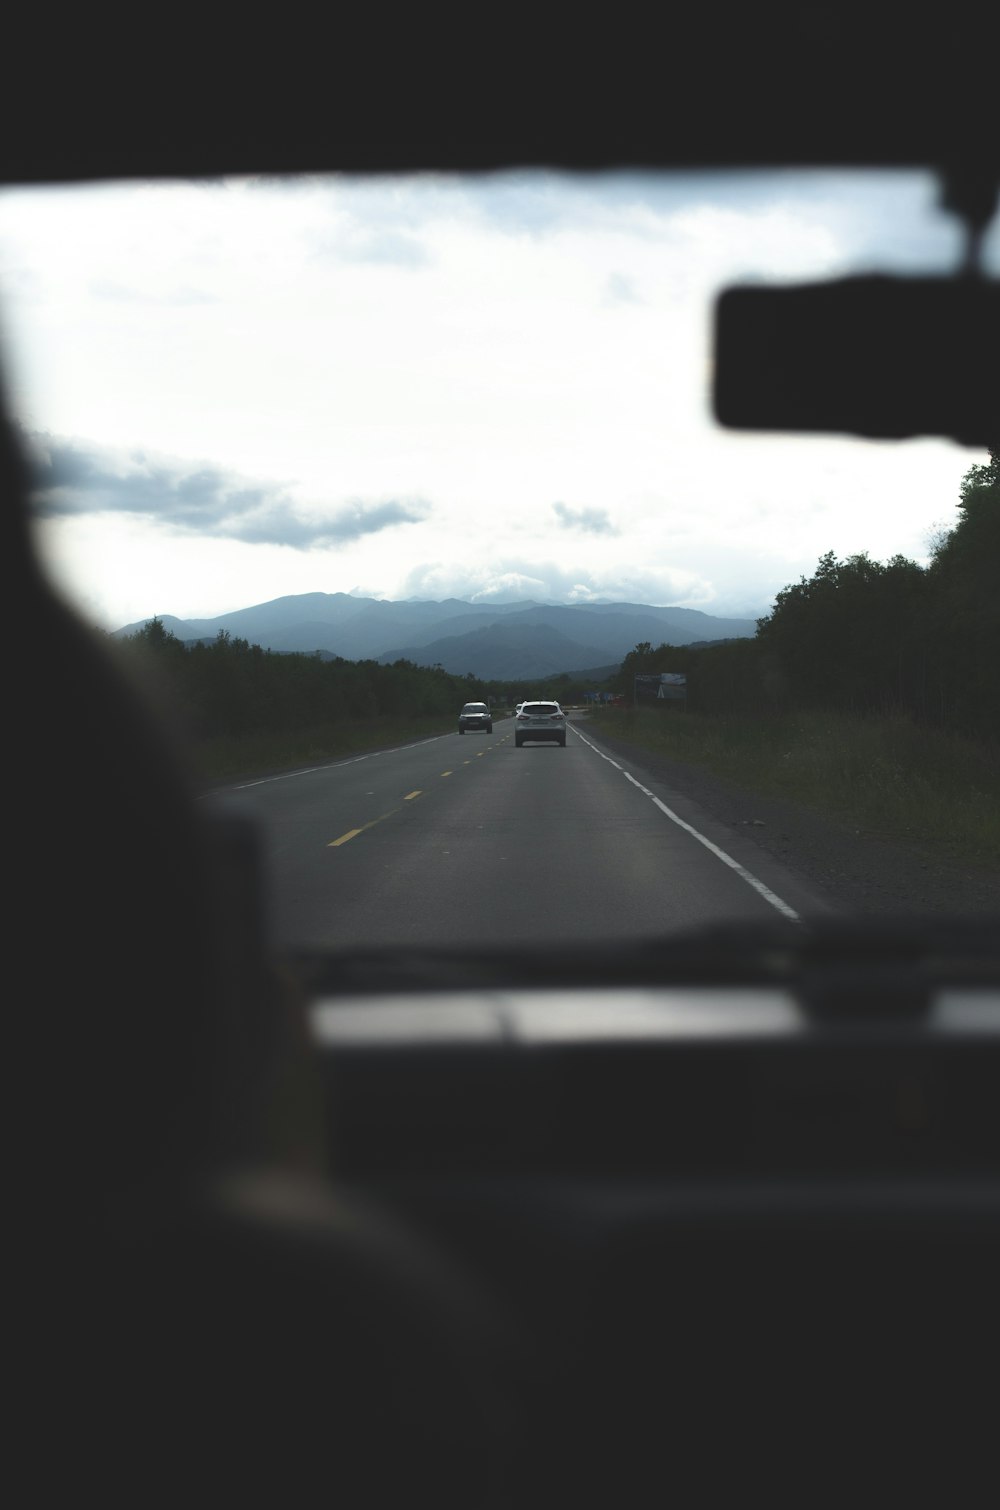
(764, 1207)
(728, 1082)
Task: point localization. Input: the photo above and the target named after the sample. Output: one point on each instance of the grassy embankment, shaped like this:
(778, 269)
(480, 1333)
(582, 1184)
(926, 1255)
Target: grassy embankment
(217, 761)
(890, 777)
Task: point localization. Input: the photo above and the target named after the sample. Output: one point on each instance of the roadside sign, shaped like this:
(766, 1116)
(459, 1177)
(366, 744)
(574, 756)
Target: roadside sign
(663, 686)
(673, 686)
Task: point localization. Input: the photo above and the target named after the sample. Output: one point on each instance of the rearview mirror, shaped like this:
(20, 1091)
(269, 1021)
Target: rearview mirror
(875, 356)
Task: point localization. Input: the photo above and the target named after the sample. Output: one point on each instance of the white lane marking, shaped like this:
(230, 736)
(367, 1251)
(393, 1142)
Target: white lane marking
(741, 871)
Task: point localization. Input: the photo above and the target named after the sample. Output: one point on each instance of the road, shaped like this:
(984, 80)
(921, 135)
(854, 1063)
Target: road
(467, 840)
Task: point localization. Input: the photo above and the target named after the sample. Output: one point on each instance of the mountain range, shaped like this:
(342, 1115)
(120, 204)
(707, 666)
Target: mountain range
(513, 641)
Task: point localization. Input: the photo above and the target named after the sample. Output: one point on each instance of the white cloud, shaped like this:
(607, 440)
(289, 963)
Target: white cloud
(621, 289)
(260, 382)
(589, 521)
(509, 580)
(71, 478)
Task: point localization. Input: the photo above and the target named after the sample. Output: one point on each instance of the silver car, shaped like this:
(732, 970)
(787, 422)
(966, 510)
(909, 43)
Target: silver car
(475, 716)
(540, 721)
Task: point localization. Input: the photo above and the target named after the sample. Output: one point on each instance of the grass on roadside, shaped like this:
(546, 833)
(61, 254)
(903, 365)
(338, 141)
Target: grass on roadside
(217, 761)
(888, 776)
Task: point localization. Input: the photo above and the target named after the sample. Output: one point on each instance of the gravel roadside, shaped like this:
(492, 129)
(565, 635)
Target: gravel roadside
(854, 872)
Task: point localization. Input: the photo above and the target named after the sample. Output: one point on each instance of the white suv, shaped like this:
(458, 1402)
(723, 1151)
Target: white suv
(540, 721)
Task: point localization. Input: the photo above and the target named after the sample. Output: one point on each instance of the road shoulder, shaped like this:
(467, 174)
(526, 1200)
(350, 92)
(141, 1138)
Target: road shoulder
(851, 871)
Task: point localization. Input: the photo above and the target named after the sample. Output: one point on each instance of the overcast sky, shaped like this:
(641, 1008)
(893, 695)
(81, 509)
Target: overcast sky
(494, 387)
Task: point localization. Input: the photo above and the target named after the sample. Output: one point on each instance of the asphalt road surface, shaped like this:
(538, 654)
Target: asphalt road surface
(467, 840)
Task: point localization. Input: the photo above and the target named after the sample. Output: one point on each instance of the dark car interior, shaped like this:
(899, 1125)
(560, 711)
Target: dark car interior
(375, 1229)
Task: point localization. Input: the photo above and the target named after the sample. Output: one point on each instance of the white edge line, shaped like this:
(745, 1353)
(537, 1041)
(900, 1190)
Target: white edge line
(330, 765)
(741, 871)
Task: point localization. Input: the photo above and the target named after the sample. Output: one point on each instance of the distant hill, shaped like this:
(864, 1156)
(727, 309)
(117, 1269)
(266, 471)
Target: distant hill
(515, 641)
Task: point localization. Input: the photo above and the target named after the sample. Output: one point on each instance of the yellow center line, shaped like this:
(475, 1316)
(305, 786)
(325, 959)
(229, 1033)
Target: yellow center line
(352, 833)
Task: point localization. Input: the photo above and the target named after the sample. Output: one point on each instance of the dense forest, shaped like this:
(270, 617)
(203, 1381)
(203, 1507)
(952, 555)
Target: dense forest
(230, 689)
(862, 636)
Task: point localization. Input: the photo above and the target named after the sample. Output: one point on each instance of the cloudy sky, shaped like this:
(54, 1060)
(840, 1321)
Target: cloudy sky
(494, 387)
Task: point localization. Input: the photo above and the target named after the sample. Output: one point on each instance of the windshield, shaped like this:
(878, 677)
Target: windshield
(330, 457)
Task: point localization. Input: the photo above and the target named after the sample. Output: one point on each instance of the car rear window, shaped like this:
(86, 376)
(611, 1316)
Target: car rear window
(541, 708)
(474, 708)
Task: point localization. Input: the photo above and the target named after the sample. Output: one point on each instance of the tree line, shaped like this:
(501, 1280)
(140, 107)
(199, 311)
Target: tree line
(229, 688)
(865, 636)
